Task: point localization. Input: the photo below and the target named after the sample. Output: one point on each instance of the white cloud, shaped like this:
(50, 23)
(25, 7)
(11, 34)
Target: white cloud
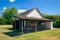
(11, 0)
(20, 11)
(4, 8)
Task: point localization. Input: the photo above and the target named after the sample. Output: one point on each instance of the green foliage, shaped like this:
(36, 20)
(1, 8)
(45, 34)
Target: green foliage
(2, 21)
(8, 15)
(57, 24)
(52, 17)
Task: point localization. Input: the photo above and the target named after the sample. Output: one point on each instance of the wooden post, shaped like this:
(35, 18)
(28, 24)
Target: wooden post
(19, 24)
(22, 26)
(36, 26)
(26, 25)
(15, 24)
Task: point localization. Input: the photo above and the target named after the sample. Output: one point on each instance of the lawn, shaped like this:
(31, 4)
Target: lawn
(6, 33)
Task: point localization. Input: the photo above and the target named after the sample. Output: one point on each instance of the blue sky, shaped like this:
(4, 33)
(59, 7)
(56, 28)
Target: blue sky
(44, 6)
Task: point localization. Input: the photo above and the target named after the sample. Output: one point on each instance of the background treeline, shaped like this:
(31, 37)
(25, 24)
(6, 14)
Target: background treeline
(54, 18)
(9, 13)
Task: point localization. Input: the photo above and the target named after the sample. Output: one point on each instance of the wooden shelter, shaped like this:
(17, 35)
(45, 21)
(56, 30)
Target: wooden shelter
(31, 20)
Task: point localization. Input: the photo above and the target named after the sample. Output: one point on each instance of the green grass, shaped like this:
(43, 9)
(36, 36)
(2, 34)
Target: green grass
(6, 33)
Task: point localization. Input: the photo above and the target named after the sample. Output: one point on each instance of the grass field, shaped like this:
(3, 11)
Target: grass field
(6, 33)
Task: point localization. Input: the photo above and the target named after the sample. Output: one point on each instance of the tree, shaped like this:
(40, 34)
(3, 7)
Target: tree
(8, 15)
(2, 21)
(52, 17)
(55, 18)
(57, 24)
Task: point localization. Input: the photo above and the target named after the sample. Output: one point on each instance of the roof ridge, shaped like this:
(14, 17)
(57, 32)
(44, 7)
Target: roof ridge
(29, 10)
(26, 11)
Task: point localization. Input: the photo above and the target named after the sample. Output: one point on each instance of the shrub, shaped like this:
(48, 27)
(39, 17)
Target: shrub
(57, 24)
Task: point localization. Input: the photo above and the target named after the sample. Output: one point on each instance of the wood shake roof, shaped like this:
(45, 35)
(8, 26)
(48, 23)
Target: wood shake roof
(24, 14)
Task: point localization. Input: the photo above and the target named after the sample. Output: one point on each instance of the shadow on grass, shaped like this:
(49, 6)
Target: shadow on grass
(16, 32)
(13, 33)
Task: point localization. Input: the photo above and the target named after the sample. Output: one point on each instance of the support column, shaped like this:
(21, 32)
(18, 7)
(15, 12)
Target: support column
(26, 26)
(15, 24)
(19, 24)
(22, 26)
(36, 26)
(24, 23)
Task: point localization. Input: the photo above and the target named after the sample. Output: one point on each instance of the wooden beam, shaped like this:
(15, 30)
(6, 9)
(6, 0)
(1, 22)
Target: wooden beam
(36, 26)
(22, 26)
(27, 25)
(24, 23)
(19, 24)
(15, 24)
